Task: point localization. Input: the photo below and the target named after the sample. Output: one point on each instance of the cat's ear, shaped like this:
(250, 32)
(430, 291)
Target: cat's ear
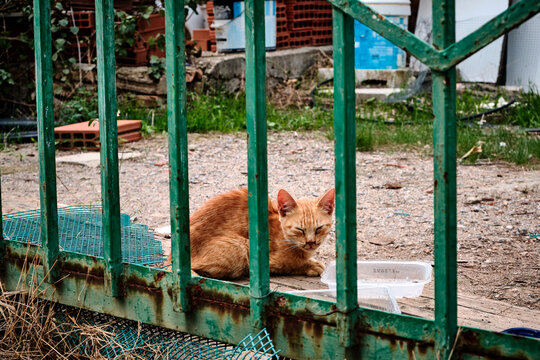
(286, 202)
(326, 202)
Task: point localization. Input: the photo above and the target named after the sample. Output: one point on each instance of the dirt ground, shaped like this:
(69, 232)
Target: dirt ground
(498, 204)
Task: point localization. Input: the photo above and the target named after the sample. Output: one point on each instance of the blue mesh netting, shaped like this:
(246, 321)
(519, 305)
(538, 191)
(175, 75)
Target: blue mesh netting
(129, 339)
(79, 230)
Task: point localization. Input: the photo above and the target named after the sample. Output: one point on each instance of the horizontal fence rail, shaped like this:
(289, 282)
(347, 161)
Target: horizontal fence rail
(299, 327)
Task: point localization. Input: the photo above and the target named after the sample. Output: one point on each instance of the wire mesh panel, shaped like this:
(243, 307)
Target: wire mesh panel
(80, 230)
(124, 338)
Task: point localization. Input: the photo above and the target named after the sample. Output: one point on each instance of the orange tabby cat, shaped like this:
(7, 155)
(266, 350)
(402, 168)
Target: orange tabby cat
(296, 228)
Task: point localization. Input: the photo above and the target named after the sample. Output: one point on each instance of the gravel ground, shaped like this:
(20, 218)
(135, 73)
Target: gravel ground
(498, 204)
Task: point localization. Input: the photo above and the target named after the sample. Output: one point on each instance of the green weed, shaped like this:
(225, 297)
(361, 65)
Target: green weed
(379, 125)
(83, 106)
(527, 113)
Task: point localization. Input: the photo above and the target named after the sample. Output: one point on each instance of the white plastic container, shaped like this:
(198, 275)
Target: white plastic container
(402, 278)
(230, 29)
(378, 298)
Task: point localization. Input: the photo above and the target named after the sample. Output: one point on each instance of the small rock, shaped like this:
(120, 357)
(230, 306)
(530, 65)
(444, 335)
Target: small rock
(381, 240)
(472, 201)
(393, 185)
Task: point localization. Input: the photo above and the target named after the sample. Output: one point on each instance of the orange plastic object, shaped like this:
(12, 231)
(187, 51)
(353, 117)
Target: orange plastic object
(85, 134)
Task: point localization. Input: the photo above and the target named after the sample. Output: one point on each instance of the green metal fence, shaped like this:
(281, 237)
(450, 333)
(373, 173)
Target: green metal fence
(300, 327)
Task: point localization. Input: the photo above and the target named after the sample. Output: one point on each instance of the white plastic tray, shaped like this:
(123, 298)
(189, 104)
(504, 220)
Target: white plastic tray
(402, 278)
(377, 298)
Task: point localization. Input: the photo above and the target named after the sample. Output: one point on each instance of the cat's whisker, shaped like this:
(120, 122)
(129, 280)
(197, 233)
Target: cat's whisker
(289, 241)
(292, 246)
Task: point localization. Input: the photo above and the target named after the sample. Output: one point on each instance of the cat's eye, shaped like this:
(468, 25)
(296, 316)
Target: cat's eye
(317, 230)
(302, 230)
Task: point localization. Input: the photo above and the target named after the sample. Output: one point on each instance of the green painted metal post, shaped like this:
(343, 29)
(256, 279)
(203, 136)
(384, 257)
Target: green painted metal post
(259, 274)
(444, 168)
(45, 113)
(108, 135)
(178, 152)
(345, 171)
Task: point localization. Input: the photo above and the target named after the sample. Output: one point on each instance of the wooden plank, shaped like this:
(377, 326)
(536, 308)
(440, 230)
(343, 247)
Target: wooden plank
(473, 310)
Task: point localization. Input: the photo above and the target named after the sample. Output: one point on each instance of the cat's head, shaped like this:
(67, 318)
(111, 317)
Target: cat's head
(305, 223)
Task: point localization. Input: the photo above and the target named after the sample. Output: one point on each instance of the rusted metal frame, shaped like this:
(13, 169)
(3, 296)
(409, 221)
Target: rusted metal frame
(46, 144)
(108, 137)
(301, 328)
(259, 274)
(178, 152)
(393, 325)
(512, 17)
(394, 33)
(492, 345)
(345, 171)
(444, 174)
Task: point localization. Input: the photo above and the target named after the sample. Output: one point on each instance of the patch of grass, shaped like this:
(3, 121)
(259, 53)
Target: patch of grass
(379, 125)
(224, 113)
(527, 113)
(365, 139)
(503, 143)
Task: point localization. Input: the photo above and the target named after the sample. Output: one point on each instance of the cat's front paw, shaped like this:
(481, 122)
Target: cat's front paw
(314, 268)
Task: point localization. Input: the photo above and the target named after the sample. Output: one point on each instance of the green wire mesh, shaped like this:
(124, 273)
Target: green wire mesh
(79, 230)
(130, 339)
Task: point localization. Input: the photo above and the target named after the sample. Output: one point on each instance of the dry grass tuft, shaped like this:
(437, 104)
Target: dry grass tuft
(32, 328)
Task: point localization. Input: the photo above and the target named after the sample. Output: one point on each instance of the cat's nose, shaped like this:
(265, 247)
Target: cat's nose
(311, 244)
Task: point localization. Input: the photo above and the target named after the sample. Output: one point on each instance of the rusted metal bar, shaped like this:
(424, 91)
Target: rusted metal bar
(108, 136)
(178, 152)
(345, 173)
(259, 273)
(300, 328)
(45, 122)
(444, 173)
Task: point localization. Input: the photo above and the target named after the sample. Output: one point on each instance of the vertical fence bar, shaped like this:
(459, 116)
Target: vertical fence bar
(345, 149)
(444, 168)
(178, 152)
(45, 120)
(108, 136)
(259, 276)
